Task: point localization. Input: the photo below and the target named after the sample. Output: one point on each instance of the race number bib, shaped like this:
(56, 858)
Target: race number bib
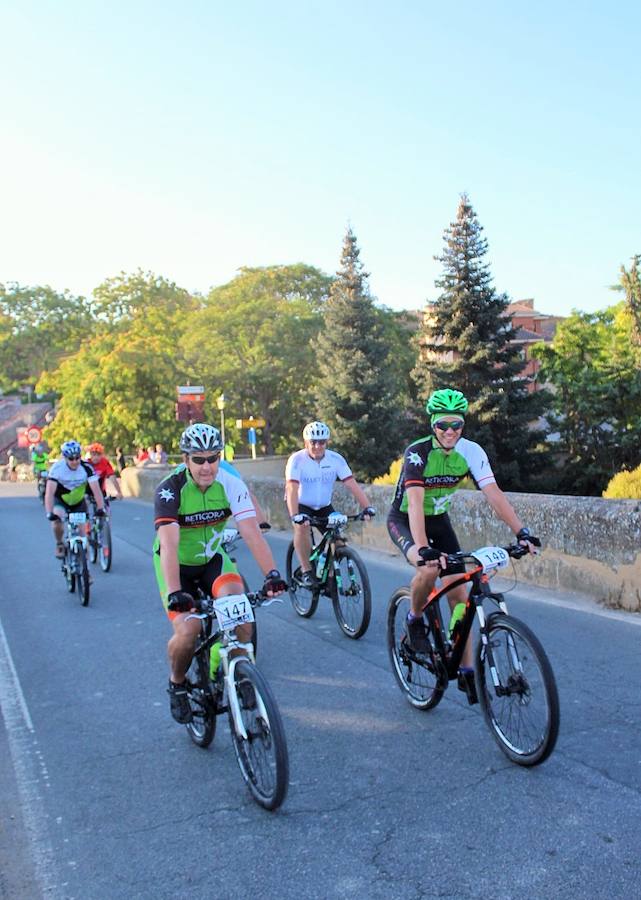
(232, 611)
(77, 518)
(492, 558)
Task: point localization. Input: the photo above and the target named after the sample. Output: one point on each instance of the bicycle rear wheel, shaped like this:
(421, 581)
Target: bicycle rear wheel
(202, 727)
(82, 575)
(104, 546)
(351, 593)
(304, 600)
(262, 758)
(521, 703)
(422, 683)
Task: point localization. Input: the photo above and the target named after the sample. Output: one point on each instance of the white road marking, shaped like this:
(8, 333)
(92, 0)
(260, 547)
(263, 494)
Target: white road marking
(29, 767)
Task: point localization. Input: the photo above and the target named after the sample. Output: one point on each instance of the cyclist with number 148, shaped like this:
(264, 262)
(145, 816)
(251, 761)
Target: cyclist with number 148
(418, 523)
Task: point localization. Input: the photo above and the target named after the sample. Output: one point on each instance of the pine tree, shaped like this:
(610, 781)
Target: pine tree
(356, 387)
(465, 344)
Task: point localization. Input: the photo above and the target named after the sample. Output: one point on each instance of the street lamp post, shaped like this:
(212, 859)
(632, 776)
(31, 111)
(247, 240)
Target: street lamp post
(221, 406)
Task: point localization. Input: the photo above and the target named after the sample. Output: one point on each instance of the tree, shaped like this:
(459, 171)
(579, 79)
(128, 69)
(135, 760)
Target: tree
(356, 389)
(593, 365)
(38, 327)
(120, 386)
(465, 343)
(630, 284)
(254, 340)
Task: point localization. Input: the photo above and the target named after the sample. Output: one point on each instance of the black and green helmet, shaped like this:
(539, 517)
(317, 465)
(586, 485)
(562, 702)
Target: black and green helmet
(446, 401)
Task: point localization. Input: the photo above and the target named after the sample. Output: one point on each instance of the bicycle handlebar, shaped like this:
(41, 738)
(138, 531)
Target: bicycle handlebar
(205, 605)
(515, 551)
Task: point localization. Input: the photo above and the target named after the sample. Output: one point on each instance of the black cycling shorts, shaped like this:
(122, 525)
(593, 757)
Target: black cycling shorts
(440, 536)
(323, 513)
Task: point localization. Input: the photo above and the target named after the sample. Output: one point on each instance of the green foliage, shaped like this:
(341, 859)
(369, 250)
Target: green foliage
(254, 341)
(465, 344)
(625, 485)
(356, 387)
(593, 365)
(38, 327)
(120, 386)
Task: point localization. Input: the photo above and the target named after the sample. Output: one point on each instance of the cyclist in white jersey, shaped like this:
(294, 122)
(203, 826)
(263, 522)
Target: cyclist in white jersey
(67, 483)
(310, 475)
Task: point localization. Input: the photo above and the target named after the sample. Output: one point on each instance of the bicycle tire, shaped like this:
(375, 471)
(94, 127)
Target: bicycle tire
(262, 758)
(423, 685)
(352, 611)
(304, 601)
(82, 576)
(104, 546)
(514, 649)
(202, 727)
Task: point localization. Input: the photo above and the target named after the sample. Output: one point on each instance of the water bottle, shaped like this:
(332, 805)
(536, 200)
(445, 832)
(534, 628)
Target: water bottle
(214, 660)
(455, 620)
(320, 565)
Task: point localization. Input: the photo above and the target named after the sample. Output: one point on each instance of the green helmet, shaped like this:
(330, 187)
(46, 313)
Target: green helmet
(446, 401)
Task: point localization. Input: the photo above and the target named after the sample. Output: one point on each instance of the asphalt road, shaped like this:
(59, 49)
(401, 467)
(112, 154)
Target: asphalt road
(104, 796)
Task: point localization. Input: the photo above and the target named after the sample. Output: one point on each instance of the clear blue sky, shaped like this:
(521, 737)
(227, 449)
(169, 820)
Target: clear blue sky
(193, 138)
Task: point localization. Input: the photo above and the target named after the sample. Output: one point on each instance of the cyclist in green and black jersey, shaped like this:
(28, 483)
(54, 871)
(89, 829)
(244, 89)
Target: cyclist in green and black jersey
(418, 523)
(191, 508)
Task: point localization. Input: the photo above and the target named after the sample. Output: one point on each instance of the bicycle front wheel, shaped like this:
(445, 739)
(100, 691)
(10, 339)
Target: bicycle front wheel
(68, 569)
(423, 683)
(202, 727)
(517, 691)
(93, 544)
(304, 600)
(351, 593)
(82, 575)
(104, 545)
(262, 757)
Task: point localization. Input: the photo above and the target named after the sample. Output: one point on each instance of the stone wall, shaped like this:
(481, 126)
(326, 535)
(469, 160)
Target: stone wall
(592, 546)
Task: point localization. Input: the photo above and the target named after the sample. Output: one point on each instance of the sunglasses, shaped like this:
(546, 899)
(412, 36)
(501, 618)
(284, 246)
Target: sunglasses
(320, 443)
(73, 458)
(447, 426)
(201, 460)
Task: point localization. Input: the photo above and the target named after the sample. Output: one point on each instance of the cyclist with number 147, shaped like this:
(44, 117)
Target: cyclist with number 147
(418, 523)
(191, 508)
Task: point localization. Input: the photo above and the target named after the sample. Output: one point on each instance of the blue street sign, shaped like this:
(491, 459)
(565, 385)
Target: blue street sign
(251, 435)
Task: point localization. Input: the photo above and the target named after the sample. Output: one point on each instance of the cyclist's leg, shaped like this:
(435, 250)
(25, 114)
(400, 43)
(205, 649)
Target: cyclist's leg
(58, 526)
(424, 579)
(180, 648)
(221, 578)
(303, 538)
(445, 539)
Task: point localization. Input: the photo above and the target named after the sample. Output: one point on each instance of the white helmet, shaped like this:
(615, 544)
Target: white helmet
(200, 437)
(316, 431)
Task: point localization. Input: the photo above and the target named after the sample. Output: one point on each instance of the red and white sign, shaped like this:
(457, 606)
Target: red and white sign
(34, 434)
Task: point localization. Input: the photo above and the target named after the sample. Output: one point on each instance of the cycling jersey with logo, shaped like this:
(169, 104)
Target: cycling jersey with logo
(201, 515)
(71, 483)
(426, 465)
(316, 479)
(103, 470)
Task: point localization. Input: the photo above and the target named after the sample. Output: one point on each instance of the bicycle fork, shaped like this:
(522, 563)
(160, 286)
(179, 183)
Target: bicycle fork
(229, 668)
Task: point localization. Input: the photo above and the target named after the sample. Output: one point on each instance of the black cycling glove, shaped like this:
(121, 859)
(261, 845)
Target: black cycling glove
(274, 583)
(100, 513)
(524, 535)
(368, 511)
(180, 601)
(427, 554)
(53, 517)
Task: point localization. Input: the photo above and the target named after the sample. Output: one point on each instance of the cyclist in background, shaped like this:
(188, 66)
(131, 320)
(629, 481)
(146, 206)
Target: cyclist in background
(67, 482)
(39, 460)
(103, 469)
(418, 523)
(310, 474)
(191, 508)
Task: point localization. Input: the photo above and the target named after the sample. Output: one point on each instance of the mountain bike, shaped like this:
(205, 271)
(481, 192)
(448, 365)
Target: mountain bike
(74, 562)
(100, 546)
(340, 574)
(513, 677)
(219, 682)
